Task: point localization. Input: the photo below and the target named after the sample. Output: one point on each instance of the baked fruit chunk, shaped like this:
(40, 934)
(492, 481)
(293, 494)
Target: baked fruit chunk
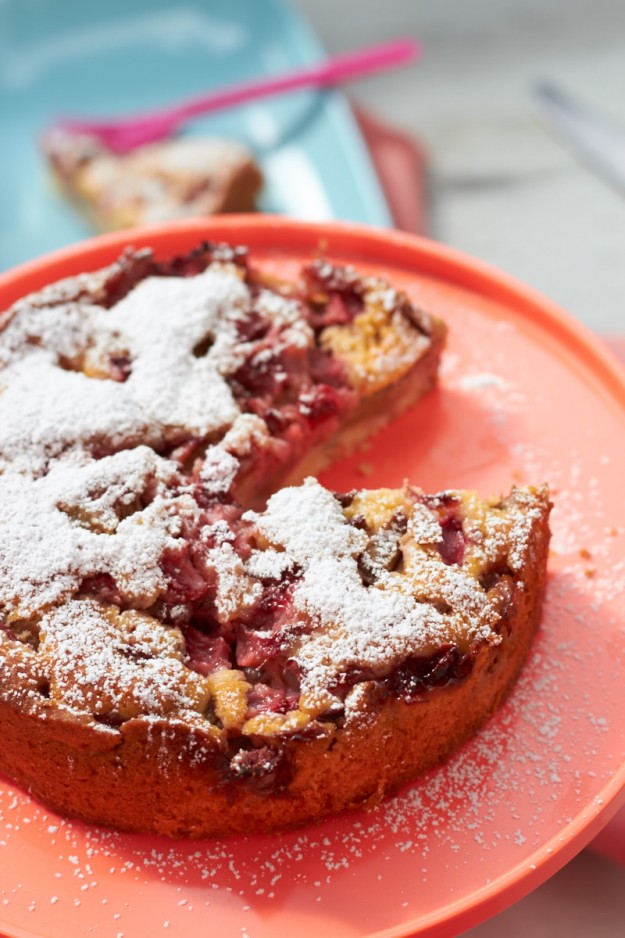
(177, 178)
(177, 656)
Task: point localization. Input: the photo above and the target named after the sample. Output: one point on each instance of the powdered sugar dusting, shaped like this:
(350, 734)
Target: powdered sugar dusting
(94, 390)
(495, 798)
(92, 663)
(173, 178)
(87, 393)
(374, 627)
(63, 514)
(70, 524)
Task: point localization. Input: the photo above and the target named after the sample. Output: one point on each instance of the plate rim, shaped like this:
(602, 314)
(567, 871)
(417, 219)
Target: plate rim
(456, 267)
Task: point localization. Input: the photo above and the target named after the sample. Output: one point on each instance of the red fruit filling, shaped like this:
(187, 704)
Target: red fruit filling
(334, 295)
(188, 265)
(185, 452)
(297, 392)
(130, 271)
(254, 648)
(262, 375)
(453, 538)
(415, 675)
(253, 328)
(326, 369)
(205, 653)
(120, 367)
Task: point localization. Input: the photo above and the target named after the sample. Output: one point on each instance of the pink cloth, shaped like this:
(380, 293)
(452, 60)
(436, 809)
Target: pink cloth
(401, 166)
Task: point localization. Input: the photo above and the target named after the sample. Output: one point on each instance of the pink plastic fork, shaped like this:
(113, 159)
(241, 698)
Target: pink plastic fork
(124, 135)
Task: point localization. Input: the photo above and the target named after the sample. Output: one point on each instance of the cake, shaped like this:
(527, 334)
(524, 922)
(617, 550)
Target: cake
(178, 177)
(198, 638)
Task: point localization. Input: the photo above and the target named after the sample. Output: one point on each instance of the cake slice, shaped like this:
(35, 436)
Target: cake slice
(176, 178)
(333, 648)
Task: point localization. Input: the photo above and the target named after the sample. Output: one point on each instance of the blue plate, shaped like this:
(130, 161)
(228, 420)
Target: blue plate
(75, 57)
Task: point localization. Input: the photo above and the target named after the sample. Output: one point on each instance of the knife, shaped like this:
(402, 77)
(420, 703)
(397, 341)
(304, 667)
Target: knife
(593, 139)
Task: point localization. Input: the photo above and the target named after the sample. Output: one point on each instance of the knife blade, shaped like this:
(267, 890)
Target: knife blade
(592, 138)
